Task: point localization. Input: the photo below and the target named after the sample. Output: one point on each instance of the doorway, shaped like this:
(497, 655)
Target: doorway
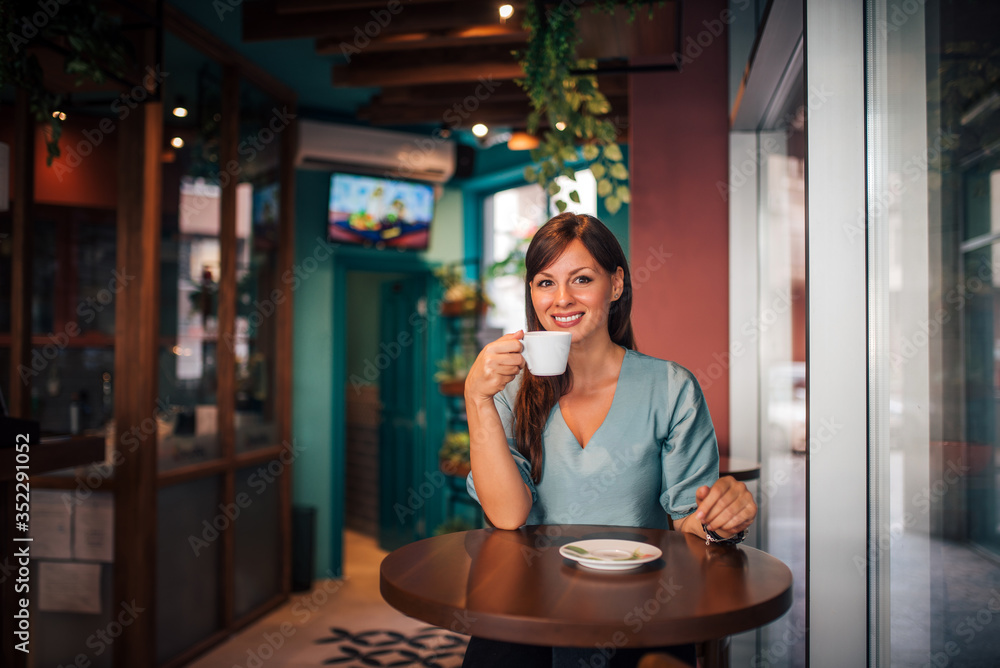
(385, 371)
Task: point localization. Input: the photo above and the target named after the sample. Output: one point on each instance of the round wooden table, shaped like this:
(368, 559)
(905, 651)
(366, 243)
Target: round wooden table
(515, 586)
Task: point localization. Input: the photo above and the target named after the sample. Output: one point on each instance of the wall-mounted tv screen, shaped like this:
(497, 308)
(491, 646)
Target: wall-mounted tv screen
(377, 211)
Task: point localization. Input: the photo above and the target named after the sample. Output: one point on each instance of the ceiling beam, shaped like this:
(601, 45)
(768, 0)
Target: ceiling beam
(431, 74)
(307, 6)
(465, 113)
(263, 21)
(443, 95)
(386, 41)
(432, 66)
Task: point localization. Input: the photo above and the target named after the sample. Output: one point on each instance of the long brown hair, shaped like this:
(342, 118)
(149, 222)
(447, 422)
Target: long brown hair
(538, 394)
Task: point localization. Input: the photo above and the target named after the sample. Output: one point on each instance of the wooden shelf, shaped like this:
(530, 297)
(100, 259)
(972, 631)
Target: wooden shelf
(452, 388)
(62, 340)
(55, 453)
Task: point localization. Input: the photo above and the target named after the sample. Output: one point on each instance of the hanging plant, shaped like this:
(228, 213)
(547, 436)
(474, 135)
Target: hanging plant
(572, 104)
(90, 40)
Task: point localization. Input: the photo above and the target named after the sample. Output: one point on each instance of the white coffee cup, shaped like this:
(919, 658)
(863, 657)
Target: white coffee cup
(546, 352)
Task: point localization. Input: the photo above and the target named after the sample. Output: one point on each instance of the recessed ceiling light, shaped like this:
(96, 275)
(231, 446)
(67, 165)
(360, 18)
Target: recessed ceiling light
(480, 130)
(506, 11)
(177, 142)
(180, 112)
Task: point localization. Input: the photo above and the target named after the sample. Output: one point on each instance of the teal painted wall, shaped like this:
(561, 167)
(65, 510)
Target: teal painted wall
(318, 341)
(312, 380)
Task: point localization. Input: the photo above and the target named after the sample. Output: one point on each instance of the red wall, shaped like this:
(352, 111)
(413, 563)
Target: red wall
(679, 153)
(75, 179)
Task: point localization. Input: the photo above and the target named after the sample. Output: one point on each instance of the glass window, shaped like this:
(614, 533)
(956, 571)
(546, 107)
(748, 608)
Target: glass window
(781, 335)
(935, 213)
(190, 266)
(75, 282)
(511, 217)
(257, 202)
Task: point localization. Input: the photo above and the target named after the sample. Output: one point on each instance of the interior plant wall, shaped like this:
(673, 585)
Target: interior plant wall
(568, 108)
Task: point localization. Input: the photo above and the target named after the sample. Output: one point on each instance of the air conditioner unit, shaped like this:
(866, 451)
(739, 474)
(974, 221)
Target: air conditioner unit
(354, 148)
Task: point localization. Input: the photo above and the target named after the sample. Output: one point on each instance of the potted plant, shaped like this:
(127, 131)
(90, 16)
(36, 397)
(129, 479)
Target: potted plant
(451, 374)
(453, 457)
(461, 296)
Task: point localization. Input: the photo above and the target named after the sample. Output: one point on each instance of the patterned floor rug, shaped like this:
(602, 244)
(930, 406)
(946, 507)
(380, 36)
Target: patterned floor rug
(431, 647)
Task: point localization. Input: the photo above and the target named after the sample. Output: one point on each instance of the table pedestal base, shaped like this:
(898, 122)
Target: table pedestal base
(714, 653)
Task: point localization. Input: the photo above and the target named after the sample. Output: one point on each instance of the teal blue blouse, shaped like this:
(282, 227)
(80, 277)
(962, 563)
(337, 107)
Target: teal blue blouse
(655, 448)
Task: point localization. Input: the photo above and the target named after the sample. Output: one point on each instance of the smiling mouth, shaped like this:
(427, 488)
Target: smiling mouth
(566, 319)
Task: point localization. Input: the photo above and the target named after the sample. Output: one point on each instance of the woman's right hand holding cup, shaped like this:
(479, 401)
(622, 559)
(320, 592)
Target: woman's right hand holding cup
(497, 364)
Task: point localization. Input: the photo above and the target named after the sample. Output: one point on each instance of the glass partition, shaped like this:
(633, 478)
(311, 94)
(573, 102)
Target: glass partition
(781, 335)
(75, 282)
(257, 204)
(934, 71)
(190, 265)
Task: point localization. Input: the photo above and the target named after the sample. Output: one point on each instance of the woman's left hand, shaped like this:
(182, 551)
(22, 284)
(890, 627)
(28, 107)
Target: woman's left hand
(726, 508)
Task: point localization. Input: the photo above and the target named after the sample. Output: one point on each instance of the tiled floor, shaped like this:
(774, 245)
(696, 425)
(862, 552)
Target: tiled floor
(290, 636)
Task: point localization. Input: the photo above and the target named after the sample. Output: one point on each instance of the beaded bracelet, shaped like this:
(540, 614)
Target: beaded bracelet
(713, 538)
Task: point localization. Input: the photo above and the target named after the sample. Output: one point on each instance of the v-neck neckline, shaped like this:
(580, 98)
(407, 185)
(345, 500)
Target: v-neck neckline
(614, 400)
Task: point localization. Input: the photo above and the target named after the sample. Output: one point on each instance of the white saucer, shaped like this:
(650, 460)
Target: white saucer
(605, 554)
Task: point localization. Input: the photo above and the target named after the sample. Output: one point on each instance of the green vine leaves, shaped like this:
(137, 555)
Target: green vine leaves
(573, 106)
(90, 40)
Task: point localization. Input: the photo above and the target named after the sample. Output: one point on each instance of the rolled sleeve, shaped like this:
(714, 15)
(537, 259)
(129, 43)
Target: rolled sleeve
(523, 467)
(690, 452)
(504, 402)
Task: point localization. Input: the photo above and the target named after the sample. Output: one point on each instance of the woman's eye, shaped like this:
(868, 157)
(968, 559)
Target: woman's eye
(544, 283)
(583, 279)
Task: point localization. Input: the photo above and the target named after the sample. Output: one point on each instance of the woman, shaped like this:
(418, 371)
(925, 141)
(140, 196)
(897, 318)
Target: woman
(619, 439)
